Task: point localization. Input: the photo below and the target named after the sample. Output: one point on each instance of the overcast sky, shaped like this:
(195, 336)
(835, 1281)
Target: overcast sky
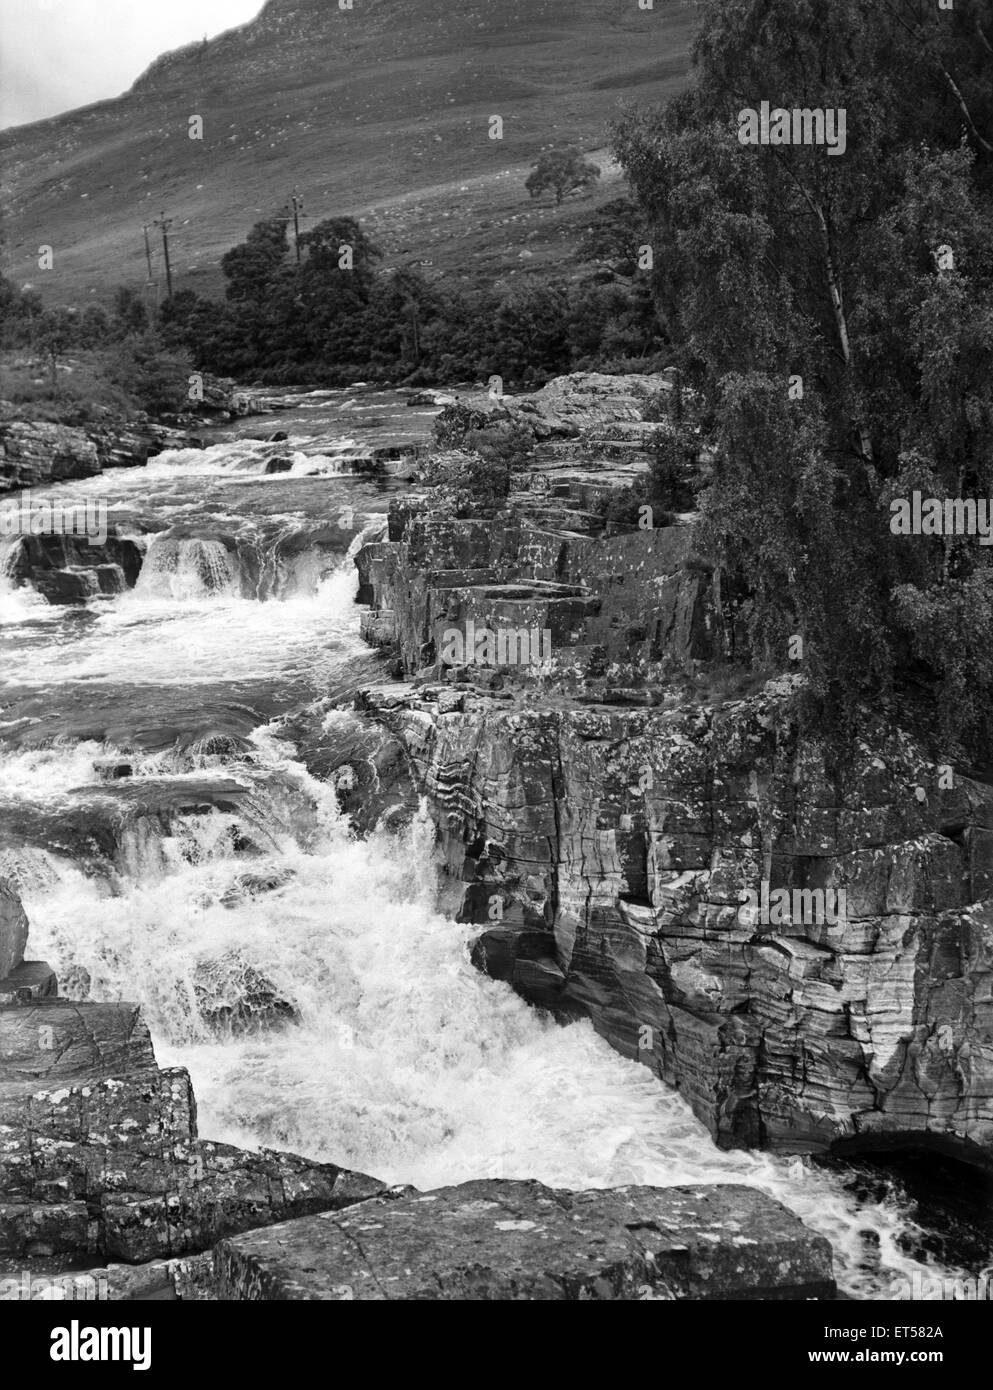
(57, 54)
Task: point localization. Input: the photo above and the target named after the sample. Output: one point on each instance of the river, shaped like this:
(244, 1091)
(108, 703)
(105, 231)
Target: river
(399, 1058)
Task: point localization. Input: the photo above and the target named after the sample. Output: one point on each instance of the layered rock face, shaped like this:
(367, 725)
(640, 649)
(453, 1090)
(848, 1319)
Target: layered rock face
(74, 568)
(604, 828)
(99, 1151)
(35, 453)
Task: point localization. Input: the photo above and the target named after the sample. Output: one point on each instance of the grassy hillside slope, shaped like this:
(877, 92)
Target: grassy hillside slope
(381, 111)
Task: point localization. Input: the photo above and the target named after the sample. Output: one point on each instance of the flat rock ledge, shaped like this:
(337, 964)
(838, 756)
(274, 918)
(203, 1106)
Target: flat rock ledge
(504, 1240)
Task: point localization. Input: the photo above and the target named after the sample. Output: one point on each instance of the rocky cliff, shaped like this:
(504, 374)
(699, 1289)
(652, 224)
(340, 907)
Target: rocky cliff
(604, 815)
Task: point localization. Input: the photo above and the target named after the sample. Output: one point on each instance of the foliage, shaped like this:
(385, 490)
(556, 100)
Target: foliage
(465, 483)
(561, 171)
(838, 359)
(157, 379)
(456, 422)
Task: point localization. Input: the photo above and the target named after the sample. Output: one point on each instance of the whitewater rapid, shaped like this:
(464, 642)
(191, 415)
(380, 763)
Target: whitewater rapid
(404, 1061)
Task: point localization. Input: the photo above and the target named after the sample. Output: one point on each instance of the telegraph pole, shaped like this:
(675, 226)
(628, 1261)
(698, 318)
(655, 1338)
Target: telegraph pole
(148, 252)
(165, 223)
(297, 203)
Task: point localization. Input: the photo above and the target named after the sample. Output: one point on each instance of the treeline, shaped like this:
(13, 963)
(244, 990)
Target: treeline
(337, 316)
(835, 315)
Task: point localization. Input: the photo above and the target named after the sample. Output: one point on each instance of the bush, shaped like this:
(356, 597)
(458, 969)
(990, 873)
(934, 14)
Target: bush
(456, 422)
(467, 484)
(674, 478)
(157, 379)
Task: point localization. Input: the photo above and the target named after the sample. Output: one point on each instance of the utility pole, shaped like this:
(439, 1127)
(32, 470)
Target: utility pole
(165, 223)
(148, 252)
(297, 204)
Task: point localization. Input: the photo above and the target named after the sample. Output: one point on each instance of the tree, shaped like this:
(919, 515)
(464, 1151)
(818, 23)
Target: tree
(563, 171)
(55, 333)
(130, 314)
(157, 378)
(840, 354)
(94, 326)
(252, 269)
(615, 232)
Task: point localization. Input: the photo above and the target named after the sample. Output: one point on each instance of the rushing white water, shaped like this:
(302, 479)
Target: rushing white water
(191, 568)
(18, 603)
(149, 638)
(403, 1060)
(303, 457)
(406, 1062)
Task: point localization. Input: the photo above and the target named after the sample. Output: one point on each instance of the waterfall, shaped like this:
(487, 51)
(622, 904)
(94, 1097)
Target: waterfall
(188, 569)
(304, 976)
(18, 602)
(384, 1049)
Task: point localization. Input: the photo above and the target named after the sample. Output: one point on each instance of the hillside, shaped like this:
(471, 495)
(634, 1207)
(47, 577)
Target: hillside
(381, 112)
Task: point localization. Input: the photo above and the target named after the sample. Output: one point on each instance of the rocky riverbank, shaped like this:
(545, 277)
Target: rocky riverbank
(598, 815)
(37, 452)
(602, 816)
(100, 1158)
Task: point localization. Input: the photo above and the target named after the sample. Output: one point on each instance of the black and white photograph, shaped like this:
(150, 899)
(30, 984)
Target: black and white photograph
(496, 671)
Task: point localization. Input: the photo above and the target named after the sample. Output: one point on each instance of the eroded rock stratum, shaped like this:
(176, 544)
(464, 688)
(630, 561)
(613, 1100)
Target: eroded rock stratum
(601, 822)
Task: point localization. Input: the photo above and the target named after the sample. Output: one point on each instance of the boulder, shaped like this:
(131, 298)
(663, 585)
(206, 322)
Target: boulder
(511, 1241)
(99, 1151)
(13, 930)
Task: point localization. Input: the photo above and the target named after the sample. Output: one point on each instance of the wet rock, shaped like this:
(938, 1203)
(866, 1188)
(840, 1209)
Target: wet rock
(430, 398)
(35, 453)
(13, 929)
(99, 1152)
(131, 445)
(512, 1241)
(254, 885)
(210, 719)
(125, 821)
(29, 981)
(368, 768)
(68, 586)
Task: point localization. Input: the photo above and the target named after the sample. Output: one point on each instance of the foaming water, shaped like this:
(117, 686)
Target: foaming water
(188, 569)
(18, 603)
(405, 1062)
(149, 638)
(304, 457)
